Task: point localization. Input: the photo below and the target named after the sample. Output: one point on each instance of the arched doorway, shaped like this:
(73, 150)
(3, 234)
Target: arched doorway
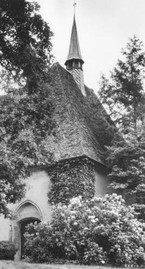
(26, 213)
(23, 225)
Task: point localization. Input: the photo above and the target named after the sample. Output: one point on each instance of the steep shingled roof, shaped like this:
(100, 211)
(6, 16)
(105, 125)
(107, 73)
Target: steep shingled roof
(80, 120)
(82, 124)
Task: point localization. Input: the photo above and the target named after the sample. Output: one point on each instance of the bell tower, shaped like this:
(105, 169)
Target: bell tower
(74, 62)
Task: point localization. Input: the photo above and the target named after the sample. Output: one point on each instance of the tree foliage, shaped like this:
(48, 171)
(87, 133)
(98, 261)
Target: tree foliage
(127, 162)
(124, 96)
(99, 231)
(25, 126)
(25, 40)
(123, 93)
(25, 111)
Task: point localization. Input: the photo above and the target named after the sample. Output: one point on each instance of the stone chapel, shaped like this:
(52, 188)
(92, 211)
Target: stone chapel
(82, 132)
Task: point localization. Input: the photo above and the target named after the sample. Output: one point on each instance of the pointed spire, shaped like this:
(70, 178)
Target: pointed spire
(74, 48)
(74, 60)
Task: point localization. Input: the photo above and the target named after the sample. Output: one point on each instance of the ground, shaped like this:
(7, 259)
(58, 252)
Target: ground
(23, 265)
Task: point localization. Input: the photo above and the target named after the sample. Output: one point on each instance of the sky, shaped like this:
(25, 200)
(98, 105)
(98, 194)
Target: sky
(104, 28)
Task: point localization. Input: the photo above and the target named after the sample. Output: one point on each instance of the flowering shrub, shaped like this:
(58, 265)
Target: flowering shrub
(102, 230)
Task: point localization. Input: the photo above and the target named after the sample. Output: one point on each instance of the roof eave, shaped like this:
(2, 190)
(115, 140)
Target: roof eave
(74, 58)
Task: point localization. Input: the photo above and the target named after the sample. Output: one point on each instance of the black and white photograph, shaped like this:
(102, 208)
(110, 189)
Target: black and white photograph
(72, 134)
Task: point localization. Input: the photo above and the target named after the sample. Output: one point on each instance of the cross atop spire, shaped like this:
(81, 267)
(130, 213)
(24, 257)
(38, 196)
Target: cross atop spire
(74, 6)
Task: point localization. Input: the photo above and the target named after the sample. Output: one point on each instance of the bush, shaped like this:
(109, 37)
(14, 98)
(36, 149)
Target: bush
(7, 250)
(99, 231)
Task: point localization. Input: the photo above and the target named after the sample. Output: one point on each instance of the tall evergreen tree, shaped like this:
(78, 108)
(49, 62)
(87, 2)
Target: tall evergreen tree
(123, 93)
(124, 98)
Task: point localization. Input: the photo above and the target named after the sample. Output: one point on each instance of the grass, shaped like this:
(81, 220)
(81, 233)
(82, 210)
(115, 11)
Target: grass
(23, 265)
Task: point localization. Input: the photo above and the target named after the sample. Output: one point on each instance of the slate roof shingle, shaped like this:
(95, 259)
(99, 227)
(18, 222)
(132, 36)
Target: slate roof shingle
(76, 135)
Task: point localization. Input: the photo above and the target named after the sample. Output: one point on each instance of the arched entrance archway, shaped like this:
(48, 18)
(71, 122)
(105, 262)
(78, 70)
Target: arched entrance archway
(27, 212)
(23, 225)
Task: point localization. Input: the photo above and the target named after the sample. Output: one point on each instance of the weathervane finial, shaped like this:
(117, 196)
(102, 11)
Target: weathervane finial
(74, 6)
